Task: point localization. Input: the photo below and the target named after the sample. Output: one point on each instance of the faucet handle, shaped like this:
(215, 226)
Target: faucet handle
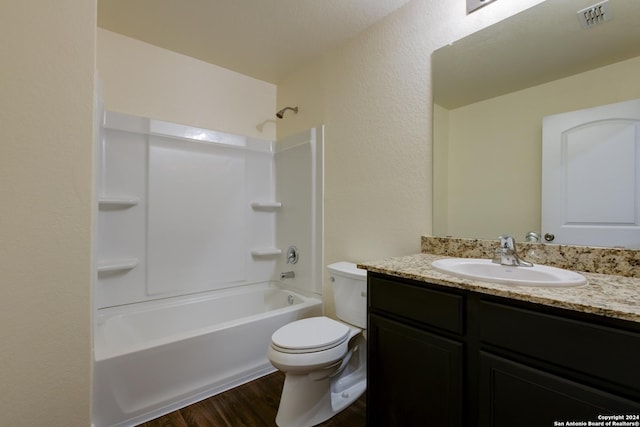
(507, 242)
(292, 255)
(506, 254)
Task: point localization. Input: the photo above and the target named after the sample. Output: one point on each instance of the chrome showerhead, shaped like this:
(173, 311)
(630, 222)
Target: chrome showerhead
(280, 114)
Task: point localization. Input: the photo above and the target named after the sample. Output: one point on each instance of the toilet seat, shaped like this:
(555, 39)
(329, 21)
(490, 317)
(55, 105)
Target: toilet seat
(310, 335)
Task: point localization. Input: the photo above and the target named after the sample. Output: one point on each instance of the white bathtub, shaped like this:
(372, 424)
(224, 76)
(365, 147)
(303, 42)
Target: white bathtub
(155, 357)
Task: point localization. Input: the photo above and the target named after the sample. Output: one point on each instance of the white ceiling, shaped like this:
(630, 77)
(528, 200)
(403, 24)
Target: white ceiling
(265, 39)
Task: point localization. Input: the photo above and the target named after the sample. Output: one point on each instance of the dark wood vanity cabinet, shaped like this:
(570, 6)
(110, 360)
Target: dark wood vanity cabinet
(415, 375)
(441, 356)
(416, 357)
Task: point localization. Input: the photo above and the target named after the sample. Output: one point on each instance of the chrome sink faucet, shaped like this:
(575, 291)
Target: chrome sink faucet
(506, 254)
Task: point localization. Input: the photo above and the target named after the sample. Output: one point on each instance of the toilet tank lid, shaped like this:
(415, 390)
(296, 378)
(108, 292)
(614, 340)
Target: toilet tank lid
(347, 269)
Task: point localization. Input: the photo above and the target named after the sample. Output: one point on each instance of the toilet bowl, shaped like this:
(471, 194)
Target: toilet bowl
(324, 360)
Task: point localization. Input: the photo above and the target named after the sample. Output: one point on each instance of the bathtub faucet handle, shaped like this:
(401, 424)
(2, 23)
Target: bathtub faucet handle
(292, 255)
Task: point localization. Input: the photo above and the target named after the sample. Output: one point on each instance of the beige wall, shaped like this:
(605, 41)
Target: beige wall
(495, 150)
(46, 97)
(144, 80)
(373, 93)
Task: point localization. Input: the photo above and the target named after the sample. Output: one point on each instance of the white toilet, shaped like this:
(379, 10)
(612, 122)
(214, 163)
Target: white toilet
(324, 360)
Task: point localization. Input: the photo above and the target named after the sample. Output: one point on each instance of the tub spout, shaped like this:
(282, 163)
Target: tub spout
(287, 275)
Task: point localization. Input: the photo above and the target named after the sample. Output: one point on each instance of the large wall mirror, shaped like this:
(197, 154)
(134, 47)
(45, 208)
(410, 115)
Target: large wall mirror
(491, 91)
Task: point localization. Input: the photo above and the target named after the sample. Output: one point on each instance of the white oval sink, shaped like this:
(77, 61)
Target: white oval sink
(487, 271)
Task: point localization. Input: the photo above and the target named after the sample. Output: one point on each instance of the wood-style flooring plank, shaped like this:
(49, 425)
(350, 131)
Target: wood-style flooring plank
(174, 419)
(254, 404)
(264, 396)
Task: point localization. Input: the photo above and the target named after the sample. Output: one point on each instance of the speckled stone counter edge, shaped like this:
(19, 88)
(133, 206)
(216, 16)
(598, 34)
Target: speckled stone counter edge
(621, 262)
(605, 295)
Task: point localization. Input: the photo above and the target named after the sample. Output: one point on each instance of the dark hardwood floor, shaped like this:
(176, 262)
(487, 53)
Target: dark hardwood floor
(250, 405)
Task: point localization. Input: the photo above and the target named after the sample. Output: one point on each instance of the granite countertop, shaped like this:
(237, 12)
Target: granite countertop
(607, 295)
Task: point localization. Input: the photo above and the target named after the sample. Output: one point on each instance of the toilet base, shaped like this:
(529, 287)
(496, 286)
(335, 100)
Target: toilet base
(341, 400)
(309, 399)
(306, 402)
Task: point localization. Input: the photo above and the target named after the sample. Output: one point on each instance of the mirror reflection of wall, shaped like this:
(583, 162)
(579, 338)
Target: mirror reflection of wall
(487, 146)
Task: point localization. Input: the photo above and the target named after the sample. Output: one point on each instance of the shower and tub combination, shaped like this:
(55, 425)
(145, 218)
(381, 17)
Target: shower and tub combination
(192, 236)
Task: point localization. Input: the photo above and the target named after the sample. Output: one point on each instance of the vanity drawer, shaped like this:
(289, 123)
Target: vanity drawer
(598, 351)
(441, 310)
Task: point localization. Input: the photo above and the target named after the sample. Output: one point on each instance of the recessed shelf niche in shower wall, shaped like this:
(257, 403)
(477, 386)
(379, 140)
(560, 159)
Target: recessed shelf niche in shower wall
(112, 203)
(117, 265)
(181, 210)
(265, 205)
(266, 252)
(117, 202)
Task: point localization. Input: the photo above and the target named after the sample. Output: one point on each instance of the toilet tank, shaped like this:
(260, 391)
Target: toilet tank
(349, 292)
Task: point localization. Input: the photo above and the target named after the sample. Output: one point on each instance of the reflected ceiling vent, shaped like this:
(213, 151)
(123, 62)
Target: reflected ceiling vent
(594, 15)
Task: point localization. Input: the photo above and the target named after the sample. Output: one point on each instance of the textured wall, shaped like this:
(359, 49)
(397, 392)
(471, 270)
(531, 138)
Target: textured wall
(147, 81)
(46, 116)
(373, 93)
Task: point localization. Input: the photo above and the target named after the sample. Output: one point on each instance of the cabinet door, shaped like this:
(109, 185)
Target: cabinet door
(414, 377)
(603, 353)
(512, 394)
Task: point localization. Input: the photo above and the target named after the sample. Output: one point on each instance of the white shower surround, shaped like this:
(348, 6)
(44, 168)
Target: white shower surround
(189, 215)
